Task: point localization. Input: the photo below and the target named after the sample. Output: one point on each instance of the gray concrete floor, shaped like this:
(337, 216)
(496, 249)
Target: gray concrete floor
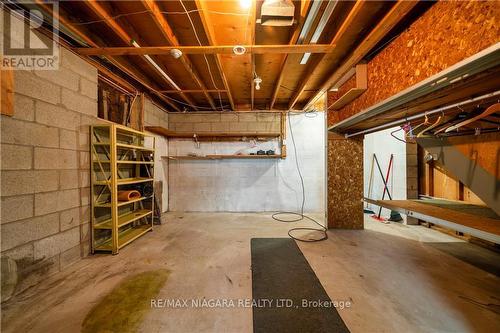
(396, 277)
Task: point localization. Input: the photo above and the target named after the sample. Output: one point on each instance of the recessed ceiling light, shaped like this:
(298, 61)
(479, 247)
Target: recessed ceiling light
(239, 50)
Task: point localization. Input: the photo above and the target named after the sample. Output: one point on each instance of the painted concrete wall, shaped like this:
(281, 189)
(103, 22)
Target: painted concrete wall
(45, 183)
(251, 185)
(383, 145)
(155, 116)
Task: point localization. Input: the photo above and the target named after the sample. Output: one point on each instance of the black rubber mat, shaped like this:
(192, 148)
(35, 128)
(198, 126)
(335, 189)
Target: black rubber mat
(286, 292)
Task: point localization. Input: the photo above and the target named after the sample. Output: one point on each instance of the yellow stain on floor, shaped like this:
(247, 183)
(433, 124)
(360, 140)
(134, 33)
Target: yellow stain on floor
(123, 309)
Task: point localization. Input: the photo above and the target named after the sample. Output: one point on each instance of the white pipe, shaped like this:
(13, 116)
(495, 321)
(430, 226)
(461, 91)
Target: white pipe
(421, 115)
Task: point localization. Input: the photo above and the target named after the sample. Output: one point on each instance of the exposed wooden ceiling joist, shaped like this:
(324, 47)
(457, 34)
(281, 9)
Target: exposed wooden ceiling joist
(120, 64)
(397, 12)
(102, 13)
(252, 56)
(219, 49)
(306, 5)
(193, 91)
(209, 31)
(169, 36)
(353, 14)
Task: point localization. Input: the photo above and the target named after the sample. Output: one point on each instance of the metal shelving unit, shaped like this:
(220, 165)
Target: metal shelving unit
(121, 159)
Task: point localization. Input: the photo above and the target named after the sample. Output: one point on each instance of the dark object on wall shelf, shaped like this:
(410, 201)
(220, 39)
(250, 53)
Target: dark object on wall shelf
(270, 152)
(261, 152)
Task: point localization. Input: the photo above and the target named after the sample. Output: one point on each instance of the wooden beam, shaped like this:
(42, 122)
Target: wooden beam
(352, 94)
(306, 5)
(253, 10)
(397, 12)
(218, 49)
(349, 20)
(119, 64)
(101, 12)
(169, 36)
(193, 91)
(209, 31)
(7, 92)
(113, 76)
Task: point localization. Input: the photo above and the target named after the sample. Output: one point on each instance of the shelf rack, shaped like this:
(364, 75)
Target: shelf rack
(122, 159)
(225, 136)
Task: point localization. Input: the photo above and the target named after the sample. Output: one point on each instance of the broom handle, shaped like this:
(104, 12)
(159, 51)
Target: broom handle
(385, 184)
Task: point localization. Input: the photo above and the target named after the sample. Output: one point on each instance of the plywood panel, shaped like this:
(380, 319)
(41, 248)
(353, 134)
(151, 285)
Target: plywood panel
(446, 34)
(345, 182)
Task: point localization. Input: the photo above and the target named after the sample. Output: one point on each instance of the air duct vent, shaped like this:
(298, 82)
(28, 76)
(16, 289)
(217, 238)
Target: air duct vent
(277, 13)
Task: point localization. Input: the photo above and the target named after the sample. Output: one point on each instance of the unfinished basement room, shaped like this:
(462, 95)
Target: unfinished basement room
(250, 166)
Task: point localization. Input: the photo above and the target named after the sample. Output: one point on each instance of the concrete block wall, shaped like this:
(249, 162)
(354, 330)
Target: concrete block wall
(233, 122)
(247, 185)
(155, 116)
(45, 169)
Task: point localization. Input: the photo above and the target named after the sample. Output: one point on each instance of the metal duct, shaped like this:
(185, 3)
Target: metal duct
(277, 13)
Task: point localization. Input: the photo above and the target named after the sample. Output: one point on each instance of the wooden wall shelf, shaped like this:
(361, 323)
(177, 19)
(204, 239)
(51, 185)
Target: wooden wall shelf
(353, 93)
(172, 134)
(222, 157)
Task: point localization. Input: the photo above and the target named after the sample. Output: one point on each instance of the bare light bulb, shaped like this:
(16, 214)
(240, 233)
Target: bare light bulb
(257, 82)
(245, 4)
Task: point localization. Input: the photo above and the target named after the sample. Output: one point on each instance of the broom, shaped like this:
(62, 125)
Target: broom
(367, 209)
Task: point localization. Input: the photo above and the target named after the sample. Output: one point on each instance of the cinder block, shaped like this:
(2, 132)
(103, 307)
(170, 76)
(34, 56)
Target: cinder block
(268, 116)
(84, 160)
(46, 180)
(228, 117)
(76, 64)
(56, 201)
(238, 127)
(202, 127)
(14, 131)
(85, 196)
(411, 149)
(17, 182)
(411, 172)
(88, 88)
(36, 271)
(184, 127)
(71, 256)
(220, 127)
(70, 218)
(56, 116)
(86, 121)
(62, 77)
(83, 140)
(411, 160)
(85, 214)
(175, 117)
(42, 136)
(24, 108)
(68, 139)
(247, 116)
(28, 84)
(258, 127)
(22, 253)
(14, 157)
(16, 208)
(83, 178)
(79, 103)
(20, 232)
(68, 179)
(53, 245)
(210, 117)
(48, 158)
